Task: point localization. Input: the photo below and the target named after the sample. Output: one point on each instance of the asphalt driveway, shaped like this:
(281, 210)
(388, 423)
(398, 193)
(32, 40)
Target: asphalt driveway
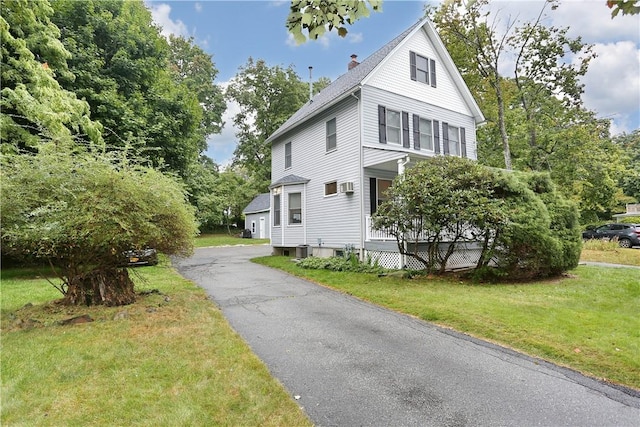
(350, 363)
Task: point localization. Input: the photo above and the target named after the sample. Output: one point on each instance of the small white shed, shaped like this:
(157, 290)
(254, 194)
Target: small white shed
(257, 216)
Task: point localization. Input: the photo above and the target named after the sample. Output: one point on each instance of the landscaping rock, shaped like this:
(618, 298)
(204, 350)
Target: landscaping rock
(85, 318)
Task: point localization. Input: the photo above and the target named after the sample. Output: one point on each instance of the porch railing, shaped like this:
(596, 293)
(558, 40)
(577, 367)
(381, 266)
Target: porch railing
(373, 234)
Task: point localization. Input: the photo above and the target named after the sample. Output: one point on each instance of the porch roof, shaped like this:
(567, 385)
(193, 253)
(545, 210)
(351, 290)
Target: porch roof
(289, 180)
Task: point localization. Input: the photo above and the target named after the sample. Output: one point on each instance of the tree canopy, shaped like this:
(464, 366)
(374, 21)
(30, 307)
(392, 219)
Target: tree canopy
(155, 96)
(536, 117)
(267, 96)
(34, 105)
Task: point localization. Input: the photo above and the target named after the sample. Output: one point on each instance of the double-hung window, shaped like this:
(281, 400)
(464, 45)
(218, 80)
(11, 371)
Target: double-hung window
(295, 208)
(332, 141)
(422, 133)
(426, 134)
(454, 141)
(287, 155)
(276, 210)
(394, 127)
(423, 69)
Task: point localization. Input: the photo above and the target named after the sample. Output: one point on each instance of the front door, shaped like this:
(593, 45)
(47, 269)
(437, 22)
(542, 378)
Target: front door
(262, 227)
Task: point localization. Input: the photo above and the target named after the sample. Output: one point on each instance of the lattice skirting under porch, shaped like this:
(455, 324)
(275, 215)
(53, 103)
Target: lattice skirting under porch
(463, 257)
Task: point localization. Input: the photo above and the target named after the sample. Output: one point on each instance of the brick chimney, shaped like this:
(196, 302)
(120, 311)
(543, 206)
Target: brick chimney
(353, 62)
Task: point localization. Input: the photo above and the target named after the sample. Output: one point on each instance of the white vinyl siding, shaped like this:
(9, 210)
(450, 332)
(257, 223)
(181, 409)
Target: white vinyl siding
(394, 76)
(373, 99)
(334, 219)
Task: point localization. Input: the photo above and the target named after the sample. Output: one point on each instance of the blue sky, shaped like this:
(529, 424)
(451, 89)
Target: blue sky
(233, 31)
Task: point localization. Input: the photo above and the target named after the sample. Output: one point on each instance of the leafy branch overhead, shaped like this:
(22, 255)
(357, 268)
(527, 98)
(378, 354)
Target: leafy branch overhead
(627, 7)
(312, 18)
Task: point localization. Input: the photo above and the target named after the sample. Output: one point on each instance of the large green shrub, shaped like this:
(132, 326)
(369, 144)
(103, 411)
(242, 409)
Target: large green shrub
(526, 228)
(80, 211)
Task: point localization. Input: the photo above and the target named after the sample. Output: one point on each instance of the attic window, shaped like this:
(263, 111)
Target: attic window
(423, 69)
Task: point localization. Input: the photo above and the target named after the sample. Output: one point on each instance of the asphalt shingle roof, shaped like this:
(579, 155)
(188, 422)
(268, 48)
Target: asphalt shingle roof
(260, 203)
(289, 179)
(342, 85)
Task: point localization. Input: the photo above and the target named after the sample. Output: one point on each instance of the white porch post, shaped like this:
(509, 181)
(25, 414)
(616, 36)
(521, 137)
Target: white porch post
(401, 165)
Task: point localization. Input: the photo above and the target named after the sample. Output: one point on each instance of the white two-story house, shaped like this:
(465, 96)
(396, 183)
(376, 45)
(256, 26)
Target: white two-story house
(334, 158)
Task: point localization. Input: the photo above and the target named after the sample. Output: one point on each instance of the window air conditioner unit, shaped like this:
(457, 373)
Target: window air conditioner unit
(346, 187)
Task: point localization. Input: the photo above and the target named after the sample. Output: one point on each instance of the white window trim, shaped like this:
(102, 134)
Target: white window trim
(331, 194)
(432, 139)
(294, 224)
(457, 134)
(331, 150)
(387, 126)
(288, 157)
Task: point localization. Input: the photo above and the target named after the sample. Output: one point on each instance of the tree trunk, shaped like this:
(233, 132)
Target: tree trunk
(506, 150)
(110, 287)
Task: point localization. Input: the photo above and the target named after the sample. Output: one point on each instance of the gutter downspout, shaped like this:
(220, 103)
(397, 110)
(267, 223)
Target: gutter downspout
(361, 171)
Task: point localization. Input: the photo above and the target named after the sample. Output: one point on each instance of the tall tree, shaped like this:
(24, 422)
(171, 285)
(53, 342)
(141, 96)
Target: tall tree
(267, 97)
(194, 68)
(34, 105)
(123, 71)
(540, 69)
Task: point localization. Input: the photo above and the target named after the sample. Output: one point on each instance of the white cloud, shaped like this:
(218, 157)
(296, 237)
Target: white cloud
(355, 37)
(198, 6)
(612, 84)
(160, 14)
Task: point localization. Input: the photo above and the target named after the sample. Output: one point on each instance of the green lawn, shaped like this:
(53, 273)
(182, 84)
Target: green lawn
(609, 252)
(205, 240)
(170, 359)
(589, 320)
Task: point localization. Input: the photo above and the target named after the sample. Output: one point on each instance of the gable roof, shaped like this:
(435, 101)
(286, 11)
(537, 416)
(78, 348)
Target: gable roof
(347, 83)
(260, 203)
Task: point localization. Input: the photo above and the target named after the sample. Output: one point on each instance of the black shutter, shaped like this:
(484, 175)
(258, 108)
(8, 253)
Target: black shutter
(416, 132)
(463, 142)
(432, 68)
(373, 195)
(382, 127)
(405, 129)
(445, 138)
(436, 136)
(412, 64)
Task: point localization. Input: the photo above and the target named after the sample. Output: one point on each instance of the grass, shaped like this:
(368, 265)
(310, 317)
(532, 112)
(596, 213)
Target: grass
(205, 240)
(169, 359)
(589, 321)
(609, 252)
